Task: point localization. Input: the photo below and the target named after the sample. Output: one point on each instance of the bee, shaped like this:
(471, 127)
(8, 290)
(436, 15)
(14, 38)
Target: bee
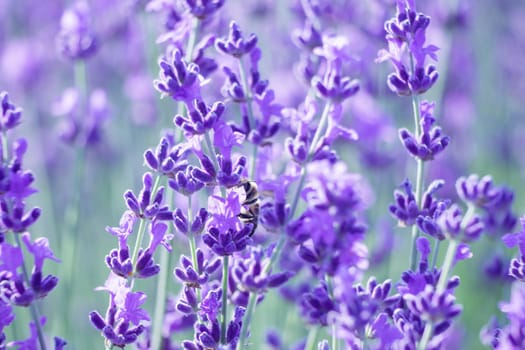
(250, 205)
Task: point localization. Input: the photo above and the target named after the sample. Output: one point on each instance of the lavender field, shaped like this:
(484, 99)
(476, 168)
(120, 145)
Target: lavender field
(262, 174)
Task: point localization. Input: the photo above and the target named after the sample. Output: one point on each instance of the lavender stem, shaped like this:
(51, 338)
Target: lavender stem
(419, 172)
(225, 263)
(33, 307)
(252, 301)
(312, 337)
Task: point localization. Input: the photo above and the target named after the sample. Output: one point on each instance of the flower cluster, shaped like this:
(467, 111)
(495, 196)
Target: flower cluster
(19, 286)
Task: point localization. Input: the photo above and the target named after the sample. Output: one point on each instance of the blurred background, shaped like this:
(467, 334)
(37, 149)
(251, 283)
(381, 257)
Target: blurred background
(479, 103)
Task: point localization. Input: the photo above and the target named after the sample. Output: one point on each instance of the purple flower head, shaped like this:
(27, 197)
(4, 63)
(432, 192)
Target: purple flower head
(308, 37)
(202, 118)
(194, 228)
(433, 306)
(456, 226)
(185, 182)
(187, 303)
(124, 309)
(195, 276)
(76, 39)
(203, 9)
(406, 32)
(211, 305)
(432, 209)
(316, 305)
(206, 64)
(431, 142)
(332, 86)
(480, 192)
(167, 159)
(14, 218)
(227, 242)
(405, 208)
(512, 335)
(30, 343)
(39, 249)
(98, 112)
(178, 79)
(357, 308)
(119, 260)
(225, 138)
(148, 204)
(332, 187)
(251, 273)
(231, 171)
(11, 115)
(224, 211)
(235, 45)
(6, 315)
(232, 87)
(126, 226)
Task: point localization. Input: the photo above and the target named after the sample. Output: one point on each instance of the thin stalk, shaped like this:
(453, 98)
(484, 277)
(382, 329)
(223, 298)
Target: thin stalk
(441, 286)
(210, 150)
(162, 283)
(252, 301)
(247, 93)
(4, 146)
(138, 241)
(35, 315)
(192, 40)
(225, 263)
(335, 345)
(436, 253)
(312, 338)
(320, 129)
(295, 201)
(193, 245)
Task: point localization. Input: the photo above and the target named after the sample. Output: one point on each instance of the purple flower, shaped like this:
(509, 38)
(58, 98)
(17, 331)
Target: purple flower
(406, 32)
(227, 242)
(316, 305)
(431, 141)
(456, 226)
(124, 309)
(202, 9)
(202, 118)
(11, 115)
(250, 272)
(235, 45)
(167, 159)
(76, 39)
(148, 204)
(195, 276)
(178, 79)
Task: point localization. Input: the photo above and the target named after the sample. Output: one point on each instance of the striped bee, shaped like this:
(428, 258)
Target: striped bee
(250, 206)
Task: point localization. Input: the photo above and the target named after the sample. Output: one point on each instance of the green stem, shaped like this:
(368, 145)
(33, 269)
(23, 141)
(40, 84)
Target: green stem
(441, 286)
(335, 345)
(35, 315)
(4, 146)
(447, 265)
(436, 253)
(311, 341)
(142, 227)
(225, 271)
(247, 93)
(252, 301)
(320, 129)
(162, 283)
(210, 150)
(192, 40)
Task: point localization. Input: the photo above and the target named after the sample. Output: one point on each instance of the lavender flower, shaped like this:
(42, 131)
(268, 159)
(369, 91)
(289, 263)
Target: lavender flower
(431, 142)
(406, 33)
(76, 39)
(235, 45)
(122, 324)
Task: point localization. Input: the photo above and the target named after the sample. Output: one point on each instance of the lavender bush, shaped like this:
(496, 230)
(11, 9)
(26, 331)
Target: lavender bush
(261, 175)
